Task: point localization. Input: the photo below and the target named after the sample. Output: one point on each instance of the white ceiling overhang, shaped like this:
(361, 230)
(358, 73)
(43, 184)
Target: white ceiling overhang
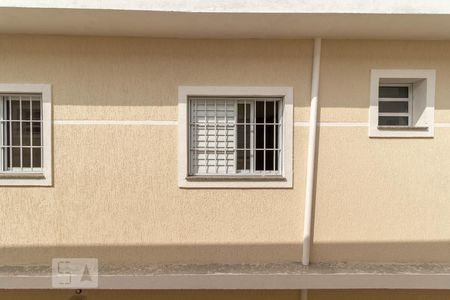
(343, 19)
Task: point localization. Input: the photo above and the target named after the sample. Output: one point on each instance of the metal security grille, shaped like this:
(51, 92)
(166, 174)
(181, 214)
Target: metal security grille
(21, 133)
(235, 135)
(395, 105)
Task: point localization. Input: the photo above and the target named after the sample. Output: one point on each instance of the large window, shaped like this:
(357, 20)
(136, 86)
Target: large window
(25, 134)
(236, 135)
(21, 127)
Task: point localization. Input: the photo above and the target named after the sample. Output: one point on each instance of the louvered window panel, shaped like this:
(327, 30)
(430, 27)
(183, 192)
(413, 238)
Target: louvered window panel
(235, 136)
(395, 105)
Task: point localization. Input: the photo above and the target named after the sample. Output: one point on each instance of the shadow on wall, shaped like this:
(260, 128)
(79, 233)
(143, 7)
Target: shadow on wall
(376, 252)
(227, 294)
(346, 65)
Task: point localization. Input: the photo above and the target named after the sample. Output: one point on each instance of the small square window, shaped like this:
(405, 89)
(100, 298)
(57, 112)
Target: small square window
(402, 103)
(235, 137)
(25, 135)
(394, 105)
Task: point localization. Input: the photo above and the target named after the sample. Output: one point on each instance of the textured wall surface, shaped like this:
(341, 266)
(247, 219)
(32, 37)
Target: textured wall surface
(115, 193)
(380, 199)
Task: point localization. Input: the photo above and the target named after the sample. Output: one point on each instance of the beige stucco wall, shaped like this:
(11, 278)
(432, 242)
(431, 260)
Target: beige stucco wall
(228, 295)
(380, 199)
(115, 193)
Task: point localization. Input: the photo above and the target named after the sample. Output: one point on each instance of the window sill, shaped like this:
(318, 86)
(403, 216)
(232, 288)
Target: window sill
(235, 181)
(22, 176)
(402, 127)
(236, 178)
(401, 131)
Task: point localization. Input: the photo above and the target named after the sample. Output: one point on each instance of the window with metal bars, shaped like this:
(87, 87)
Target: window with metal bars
(21, 133)
(235, 135)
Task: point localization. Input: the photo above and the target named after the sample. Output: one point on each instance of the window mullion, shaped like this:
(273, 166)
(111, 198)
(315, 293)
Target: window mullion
(252, 136)
(192, 135)
(264, 138)
(274, 134)
(20, 134)
(206, 138)
(225, 152)
(31, 133)
(41, 122)
(245, 136)
(280, 137)
(235, 136)
(410, 105)
(215, 139)
(10, 135)
(2, 158)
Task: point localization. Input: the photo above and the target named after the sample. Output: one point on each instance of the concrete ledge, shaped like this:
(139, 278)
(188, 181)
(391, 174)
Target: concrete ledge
(247, 276)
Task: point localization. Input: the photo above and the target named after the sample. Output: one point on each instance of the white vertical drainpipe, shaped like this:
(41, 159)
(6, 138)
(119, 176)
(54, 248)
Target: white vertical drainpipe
(311, 152)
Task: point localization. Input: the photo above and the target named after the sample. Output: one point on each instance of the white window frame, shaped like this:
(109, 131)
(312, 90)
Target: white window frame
(422, 85)
(43, 178)
(283, 181)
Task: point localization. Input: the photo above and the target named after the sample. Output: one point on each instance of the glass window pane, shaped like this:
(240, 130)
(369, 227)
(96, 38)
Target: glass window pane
(16, 133)
(393, 92)
(248, 138)
(277, 135)
(244, 111)
(37, 158)
(259, 112)
(259, 136)
(36, 110)
(6, 153)
(248, 159)
(15, 110)
(16, 157)
(36, 133)
(248, 113)
(277, 113)
(6, 110)
(259, 160)
(392, 121)
(270, 112)
(26, 129)
(240, 159)
(276, 159)
(240, 116)
(269, 160)
(394, 107)
(269, 136)
(26, 157)
(240, 136)
(7, 137)
(25, 110)
(241, 139)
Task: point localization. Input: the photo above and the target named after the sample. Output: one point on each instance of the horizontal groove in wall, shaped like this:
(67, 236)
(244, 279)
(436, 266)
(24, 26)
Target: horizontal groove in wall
(116, 122)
